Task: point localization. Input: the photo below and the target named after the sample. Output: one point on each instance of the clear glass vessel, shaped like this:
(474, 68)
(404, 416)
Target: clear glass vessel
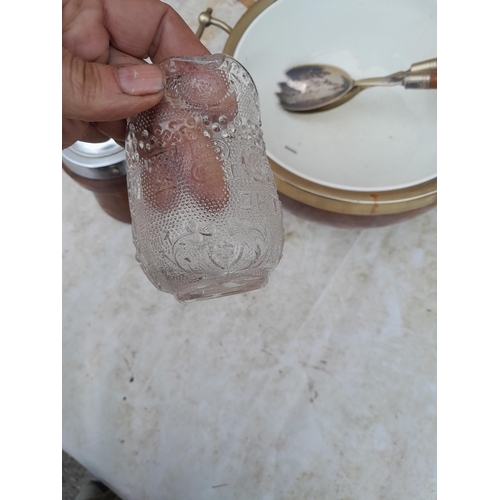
(206, 217)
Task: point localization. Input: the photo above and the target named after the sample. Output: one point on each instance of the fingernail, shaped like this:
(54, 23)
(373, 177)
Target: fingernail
(140, 79)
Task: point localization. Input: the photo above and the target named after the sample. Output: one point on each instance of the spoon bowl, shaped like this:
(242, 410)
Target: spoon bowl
(313, 86)
(320, 86)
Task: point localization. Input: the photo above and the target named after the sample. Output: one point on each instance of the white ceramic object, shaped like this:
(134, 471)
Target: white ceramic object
(385, 138)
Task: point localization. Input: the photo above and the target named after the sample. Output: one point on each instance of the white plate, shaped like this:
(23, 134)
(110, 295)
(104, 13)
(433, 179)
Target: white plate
(383, 139)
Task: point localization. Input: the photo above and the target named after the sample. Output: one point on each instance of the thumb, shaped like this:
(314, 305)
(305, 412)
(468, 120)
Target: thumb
(95, 92)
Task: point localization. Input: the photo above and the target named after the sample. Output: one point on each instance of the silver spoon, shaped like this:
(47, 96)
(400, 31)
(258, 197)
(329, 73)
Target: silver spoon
(320, 86)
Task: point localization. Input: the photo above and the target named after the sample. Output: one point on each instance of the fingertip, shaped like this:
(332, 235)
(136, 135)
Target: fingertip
(144, 79)
(95, 92)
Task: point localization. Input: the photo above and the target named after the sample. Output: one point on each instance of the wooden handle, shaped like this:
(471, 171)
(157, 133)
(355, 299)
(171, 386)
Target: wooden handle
(434, 80)
(427, 80)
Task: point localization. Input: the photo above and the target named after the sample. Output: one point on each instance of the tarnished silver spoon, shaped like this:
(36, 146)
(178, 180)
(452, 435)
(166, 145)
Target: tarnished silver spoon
(320, 86)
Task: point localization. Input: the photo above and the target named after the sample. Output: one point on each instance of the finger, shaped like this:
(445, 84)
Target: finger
(72, 131)
(116, 130)
(76, 130)
(83, 30)
(119, 58)
(184, 141)
(96, 92)
(205, 89)
(163, 32)
(93, 134)
(179, 158)
(204, 173)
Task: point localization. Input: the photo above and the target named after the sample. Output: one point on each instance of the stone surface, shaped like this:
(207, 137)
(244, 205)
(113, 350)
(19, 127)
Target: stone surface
(322, 382)
(321, 385)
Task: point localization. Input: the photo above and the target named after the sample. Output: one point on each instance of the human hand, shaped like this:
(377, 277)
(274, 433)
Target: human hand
(105, 77)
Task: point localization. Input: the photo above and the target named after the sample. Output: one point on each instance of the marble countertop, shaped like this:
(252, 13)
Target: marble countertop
(322, 385)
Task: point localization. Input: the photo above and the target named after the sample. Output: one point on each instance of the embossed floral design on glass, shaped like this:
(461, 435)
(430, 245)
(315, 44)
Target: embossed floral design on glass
(206, 217)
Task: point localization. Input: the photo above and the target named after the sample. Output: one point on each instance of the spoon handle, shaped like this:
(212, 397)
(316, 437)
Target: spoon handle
(409, 80)
(428, 67)
(383, 81)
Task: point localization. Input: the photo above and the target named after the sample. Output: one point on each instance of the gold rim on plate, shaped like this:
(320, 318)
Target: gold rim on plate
(327, 198)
